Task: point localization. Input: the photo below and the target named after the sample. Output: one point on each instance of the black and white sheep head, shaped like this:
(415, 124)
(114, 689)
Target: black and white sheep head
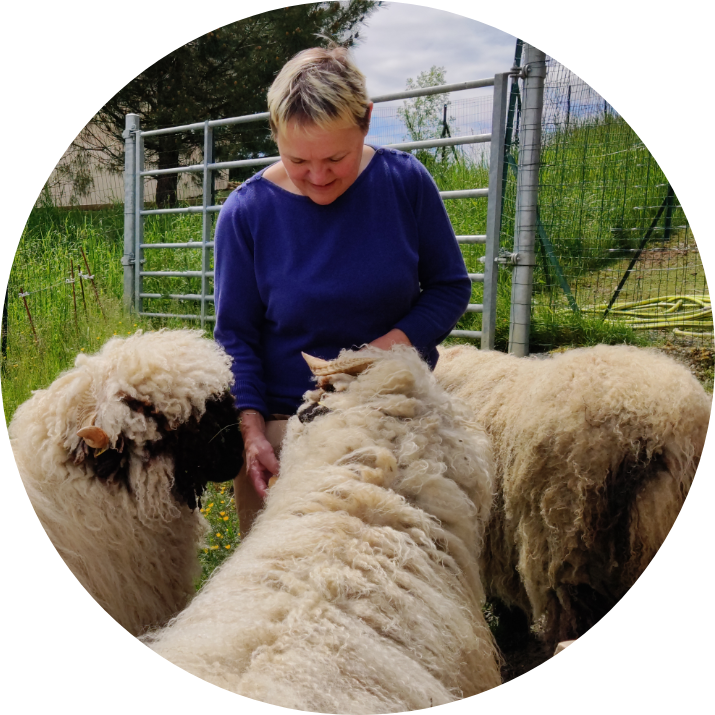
(159, 395)
(337, 376)
(331, 376)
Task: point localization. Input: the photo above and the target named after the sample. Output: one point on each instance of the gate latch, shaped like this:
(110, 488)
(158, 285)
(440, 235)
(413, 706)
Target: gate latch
(504, 257)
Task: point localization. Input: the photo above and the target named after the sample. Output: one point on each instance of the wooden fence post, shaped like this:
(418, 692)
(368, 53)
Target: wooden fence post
(91, 278)
(24, 295)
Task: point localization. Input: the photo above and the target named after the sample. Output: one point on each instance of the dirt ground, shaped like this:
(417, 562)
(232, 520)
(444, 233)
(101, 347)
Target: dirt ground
(699, 360)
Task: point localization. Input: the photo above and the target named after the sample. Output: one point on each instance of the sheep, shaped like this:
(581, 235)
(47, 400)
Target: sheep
(595, 449)
(114, 455)
(358, 588)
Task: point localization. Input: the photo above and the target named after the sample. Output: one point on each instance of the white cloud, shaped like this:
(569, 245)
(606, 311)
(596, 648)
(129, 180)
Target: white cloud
(403, 40)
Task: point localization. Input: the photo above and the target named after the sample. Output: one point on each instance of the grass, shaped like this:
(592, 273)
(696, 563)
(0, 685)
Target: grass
(224, 533)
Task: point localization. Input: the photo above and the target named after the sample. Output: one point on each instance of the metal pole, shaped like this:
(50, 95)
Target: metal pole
(527, 198)
(206, 223)
(513, 100)
(132, 124)
(494, 206)
(138, 221)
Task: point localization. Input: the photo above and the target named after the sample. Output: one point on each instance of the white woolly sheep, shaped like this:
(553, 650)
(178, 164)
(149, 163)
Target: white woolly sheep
(358, 587)
(114, 455)
(596, 449)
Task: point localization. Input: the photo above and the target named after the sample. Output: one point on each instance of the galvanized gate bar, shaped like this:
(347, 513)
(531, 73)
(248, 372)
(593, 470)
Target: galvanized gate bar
(138, 221)
(494, 208)
(132, 124)
(176, 274)
(438, 89)
(264, 161)
(472, 239)
(206, 223)
(435, 143)
(190, 244)
(185, 316)
(465, 194)
(178, 296)
(473, 334)
(186, 210)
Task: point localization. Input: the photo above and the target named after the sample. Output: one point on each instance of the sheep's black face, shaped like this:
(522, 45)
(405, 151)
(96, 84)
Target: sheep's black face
(206, 449)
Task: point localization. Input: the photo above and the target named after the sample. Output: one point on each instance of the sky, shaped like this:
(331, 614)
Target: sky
(399, 41)
(403, 40)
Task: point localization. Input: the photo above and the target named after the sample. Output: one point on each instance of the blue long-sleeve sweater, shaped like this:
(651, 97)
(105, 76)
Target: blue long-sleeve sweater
(293, 276)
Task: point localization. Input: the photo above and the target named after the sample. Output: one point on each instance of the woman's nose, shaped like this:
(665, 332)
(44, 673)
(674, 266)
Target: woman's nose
(319, 174)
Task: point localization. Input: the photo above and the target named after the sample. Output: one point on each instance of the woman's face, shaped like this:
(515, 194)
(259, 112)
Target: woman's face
(322, 163)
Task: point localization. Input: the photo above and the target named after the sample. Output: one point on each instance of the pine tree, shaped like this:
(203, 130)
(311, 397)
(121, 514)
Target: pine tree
(224, 73)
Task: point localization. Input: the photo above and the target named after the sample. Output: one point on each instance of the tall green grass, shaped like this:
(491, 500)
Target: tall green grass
(66, 325)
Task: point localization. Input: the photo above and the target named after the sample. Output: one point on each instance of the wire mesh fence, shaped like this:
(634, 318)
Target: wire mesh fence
(614, 243)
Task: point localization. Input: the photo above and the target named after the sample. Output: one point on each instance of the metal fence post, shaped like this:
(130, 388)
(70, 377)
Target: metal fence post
(206, 220)
(494, 207)
(132, 124)
(138, 223)
(527, 190)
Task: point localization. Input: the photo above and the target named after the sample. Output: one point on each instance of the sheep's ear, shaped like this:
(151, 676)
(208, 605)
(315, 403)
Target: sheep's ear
(345, 364)
(94, 437)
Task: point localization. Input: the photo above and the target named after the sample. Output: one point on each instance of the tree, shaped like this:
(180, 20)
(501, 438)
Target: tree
(224, 73)
(425, 117)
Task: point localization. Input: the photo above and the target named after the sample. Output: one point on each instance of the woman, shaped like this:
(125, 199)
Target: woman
(337, 245)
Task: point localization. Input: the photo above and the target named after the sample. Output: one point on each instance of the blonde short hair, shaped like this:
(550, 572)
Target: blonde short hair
(319, 86)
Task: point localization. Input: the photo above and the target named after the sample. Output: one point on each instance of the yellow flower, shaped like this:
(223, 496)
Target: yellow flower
(211, 504)
(113, 333)
(201, 510)
(129, 332)
(223, 501)
(81, 350)
(228, 546)
(135, 325)
(206, 551)
(219, 536)
(222, 513)
(214, 547)
(225, 518)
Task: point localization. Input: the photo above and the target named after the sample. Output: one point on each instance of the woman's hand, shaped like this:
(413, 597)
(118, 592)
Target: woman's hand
(394, 337)
(261, 462)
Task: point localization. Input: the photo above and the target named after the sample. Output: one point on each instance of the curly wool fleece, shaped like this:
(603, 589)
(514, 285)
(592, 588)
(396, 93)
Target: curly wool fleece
(596, 449)
(124, 518)
(358, 588)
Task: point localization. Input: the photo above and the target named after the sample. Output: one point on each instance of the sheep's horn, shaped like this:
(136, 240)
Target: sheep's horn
(345, 364)
(95, 437)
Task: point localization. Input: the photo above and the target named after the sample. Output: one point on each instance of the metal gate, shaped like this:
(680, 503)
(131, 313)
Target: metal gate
(135, 212)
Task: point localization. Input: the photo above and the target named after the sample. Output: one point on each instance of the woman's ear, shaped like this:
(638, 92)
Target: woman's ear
(369, 117)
